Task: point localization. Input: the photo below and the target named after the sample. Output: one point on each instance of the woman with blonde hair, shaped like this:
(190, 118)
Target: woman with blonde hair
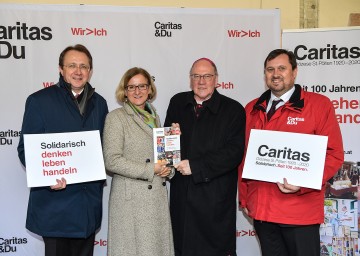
(139, 219)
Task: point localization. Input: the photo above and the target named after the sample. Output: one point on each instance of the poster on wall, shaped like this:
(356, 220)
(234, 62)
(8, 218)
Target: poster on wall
(329, 63)
(164, 41)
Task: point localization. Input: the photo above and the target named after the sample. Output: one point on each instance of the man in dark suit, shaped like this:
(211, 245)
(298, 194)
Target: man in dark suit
(66, 216)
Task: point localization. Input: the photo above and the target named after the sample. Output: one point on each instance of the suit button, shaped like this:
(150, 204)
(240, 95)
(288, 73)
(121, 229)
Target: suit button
(164, 183)
(148, 160)
(149, 187)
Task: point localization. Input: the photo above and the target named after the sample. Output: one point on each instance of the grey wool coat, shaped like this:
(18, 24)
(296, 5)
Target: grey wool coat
(139, 218)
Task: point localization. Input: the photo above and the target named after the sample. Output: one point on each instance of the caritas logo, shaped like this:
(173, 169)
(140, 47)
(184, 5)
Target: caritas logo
(9, 245)
(225, 85)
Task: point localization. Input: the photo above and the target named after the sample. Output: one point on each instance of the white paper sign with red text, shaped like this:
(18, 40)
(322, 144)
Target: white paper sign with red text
(75, 156)
(272, 156)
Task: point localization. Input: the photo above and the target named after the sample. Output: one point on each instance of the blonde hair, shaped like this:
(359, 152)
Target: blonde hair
(120, 90)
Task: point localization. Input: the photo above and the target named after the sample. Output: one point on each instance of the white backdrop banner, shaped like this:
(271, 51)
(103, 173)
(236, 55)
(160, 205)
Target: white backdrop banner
(329, 64)
(165, 41)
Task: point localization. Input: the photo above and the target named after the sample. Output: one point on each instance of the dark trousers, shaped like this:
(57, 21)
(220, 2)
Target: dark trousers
(60, 246)
(288, 240)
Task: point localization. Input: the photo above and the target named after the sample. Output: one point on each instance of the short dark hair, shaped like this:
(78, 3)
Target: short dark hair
(273, 54)
(79, 48)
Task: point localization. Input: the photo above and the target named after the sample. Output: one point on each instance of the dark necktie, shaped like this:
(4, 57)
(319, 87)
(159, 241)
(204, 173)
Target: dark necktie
(272, 109)
(78, 97)
(198, 108)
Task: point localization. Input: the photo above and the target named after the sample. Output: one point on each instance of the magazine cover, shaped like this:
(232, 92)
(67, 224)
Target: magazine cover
(166, 146)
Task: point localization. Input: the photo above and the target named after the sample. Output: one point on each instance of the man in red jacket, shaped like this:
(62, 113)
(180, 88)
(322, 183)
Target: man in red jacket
(287, 217)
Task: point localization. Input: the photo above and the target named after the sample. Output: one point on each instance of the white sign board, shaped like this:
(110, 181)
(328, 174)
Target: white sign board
(76, 156)
(272, 156)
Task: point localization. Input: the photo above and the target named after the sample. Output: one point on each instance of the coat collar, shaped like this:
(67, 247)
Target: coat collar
(138, 120)
(213, 104)
(295, 102)
(86, 105)
(63, 84)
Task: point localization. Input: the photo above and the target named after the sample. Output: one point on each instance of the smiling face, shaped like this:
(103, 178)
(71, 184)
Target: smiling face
(76, 70)
(203, 86)
(279, 75)
(138, 93)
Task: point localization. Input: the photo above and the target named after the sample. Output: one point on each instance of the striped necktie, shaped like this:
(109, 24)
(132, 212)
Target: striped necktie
(272, 110)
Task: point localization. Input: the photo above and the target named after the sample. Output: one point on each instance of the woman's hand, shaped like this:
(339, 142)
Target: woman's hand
(162, 170)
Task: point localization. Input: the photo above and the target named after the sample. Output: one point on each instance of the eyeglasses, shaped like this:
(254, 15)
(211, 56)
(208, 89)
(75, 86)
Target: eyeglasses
(132, 87)
(206, 77)
(73, 67)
